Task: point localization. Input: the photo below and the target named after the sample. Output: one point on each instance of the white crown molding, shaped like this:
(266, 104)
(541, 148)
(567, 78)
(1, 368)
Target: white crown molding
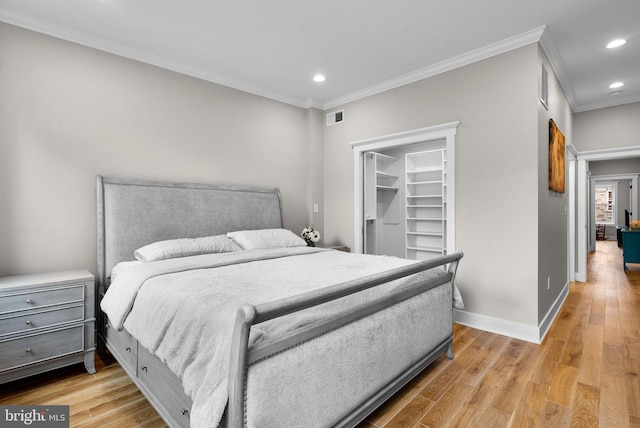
(607, 154)
(310, 102)
(560, 70)
(549, 48)
(442, 67)
(408, 137)
(618, 101)
(572, 152)
(539, 34)
(84, 39)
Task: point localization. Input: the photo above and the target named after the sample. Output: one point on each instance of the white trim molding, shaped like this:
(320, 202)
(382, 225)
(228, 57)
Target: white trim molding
(445, 131)
(606, 154)
(511, 328)
(489, 51)
(571, 211)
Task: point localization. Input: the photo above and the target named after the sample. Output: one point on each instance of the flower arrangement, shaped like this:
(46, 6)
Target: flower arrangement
(311, 235)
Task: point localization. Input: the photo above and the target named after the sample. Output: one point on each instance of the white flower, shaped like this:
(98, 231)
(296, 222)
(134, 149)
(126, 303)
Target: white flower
(310, 234)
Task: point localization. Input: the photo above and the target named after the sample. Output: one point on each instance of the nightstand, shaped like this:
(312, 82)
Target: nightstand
(47, 321)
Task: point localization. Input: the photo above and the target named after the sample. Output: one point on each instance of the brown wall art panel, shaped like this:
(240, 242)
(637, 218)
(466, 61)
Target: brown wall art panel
(556, 158)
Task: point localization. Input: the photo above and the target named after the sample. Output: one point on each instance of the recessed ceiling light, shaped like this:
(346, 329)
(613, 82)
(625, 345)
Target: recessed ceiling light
(319, 78)
(616, 85)
(616, 43)
(615, 93)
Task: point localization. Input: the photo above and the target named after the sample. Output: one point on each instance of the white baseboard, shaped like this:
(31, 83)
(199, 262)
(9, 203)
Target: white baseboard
(553, 312)
(510, 328)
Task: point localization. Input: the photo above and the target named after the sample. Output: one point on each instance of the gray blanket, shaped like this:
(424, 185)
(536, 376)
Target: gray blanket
(183, 310)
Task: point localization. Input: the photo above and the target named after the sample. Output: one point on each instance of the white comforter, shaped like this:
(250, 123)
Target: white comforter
(183, 310)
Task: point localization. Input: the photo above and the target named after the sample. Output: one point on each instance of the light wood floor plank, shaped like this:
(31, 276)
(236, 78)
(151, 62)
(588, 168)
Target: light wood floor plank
(591, 365)
(486, 357)
(586, 405)
(480, 400)
(546, 367)
(513, 388)
(450, 404)
(529, 411)
(613, 411)
(555, 415)
(411, 414)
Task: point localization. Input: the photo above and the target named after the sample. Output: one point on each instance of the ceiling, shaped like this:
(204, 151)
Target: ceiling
(274, 48)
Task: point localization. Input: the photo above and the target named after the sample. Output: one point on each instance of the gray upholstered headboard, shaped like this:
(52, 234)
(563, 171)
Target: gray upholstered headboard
(134, 213)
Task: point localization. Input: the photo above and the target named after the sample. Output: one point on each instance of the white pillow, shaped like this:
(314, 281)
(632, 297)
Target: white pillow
(266, 238)
(117, 269)
(184, 247)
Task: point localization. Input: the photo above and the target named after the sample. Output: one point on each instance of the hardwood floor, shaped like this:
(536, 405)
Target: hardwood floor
(106, 399)
(586, 373)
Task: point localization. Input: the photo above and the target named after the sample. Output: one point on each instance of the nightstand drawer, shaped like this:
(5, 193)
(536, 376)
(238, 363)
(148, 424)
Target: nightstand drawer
(123, 344)
(41, 298)
(39, 347)
(16, 323)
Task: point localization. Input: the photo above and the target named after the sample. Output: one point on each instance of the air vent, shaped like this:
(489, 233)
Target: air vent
(335, 117)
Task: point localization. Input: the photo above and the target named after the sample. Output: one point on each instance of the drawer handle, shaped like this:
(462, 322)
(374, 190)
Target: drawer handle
(143, 368)
(128, 349)
(29, 301)
(28, 323)
(28, 350)
(184, 412)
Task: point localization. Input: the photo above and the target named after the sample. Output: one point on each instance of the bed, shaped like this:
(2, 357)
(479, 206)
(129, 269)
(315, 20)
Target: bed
(261, 330)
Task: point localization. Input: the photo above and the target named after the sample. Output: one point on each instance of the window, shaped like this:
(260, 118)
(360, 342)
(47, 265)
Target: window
(605, 202)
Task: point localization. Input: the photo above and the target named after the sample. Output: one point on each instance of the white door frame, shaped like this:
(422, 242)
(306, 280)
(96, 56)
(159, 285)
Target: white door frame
(437, 132)
(571, 213)
(583, 199)
(612, 179)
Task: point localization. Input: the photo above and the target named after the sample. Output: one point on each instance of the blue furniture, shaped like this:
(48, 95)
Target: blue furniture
(630, 247)
(619, 230)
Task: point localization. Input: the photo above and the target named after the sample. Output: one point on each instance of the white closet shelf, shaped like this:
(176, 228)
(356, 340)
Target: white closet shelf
(385, 157)
(424, 196)
(426, 233)
(425, 206)
(415, 183)
(426, 249)
(421, 170)
(425, 218)
(380, 187)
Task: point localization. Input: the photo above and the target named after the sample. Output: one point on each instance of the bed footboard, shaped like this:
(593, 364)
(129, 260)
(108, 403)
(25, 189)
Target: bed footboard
(379, 345)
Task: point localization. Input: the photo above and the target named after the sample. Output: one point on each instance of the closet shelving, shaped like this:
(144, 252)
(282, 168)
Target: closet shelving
(386, 172)
(425, 204)
(381, 205)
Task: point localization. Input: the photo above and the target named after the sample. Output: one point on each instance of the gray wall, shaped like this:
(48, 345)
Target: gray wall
(315, 170)
(613, 127)
(68, 112)
(497, 154)
(615, 166)
(552, 218)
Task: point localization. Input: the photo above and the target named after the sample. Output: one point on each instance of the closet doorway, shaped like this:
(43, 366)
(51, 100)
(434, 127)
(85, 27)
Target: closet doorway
(405, 193)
